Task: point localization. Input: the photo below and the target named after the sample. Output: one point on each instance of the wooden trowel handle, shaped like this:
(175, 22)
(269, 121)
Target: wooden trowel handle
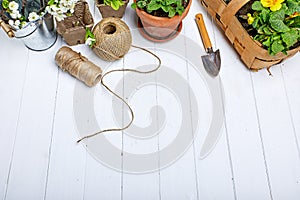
(203, 32)
(6, 28)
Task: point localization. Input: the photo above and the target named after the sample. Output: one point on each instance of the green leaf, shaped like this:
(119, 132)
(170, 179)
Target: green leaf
(265, 15)
(267, 30)
(257, 6)
(141, 4)
(170, 2)
(133, 6)
(277, 15)
(51, 2)
(267, 43)
(290, 37)
(5, 4)
(277, 47)
(296, 22)
(279, 26)
(165, 8)
(172, 12)
(153, 6)
(293, 7)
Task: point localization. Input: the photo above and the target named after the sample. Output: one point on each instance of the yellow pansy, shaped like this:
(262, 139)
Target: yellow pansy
(272, 4)
(250, 19)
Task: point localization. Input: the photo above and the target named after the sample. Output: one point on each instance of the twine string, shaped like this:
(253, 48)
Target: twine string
(121, 98)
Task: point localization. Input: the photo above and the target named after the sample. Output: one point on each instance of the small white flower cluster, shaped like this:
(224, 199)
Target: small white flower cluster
(60, 9)
(17, 20)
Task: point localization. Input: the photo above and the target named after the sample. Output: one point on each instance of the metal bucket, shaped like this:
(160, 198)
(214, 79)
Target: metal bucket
(38, 35)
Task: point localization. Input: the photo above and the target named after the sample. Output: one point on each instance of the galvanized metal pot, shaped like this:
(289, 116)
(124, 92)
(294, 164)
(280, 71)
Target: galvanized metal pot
(38, 35)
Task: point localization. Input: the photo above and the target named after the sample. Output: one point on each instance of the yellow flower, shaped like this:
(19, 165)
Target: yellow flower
(272, 4)
(250, 19)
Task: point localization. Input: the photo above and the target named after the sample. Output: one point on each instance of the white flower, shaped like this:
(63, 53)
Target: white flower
(59, 17)
(33, 16)
(13, 6)
(17, 23)
(89, 41)
(11, 22)
(54, 8)
(14, 15)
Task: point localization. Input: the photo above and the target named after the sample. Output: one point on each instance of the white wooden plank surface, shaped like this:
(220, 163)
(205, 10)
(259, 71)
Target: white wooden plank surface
(257, 155)
(34, 129)
(11, 100)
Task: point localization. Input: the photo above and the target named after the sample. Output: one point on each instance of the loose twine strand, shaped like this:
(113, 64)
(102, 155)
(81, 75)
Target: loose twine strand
(121, 98)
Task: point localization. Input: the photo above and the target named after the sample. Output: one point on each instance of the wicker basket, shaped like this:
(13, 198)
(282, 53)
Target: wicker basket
(72, 28)
(251, 52)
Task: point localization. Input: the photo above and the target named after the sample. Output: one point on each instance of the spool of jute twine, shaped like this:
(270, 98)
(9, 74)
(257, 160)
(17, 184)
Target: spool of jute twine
(113, 39)
(78, 66)
(89, 73)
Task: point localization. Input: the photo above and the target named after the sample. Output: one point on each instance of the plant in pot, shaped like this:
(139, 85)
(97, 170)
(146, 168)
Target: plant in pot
(28, 21)
(263, 32)
(161, 20)
(112, 8)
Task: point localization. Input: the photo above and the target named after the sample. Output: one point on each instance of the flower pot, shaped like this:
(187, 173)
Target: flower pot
(72, 28)
(107, 11)
(160, 29)
(252, 53)
(38, 35)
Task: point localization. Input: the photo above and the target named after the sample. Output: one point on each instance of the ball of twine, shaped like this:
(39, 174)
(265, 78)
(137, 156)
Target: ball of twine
(78, 66)
(113, 39)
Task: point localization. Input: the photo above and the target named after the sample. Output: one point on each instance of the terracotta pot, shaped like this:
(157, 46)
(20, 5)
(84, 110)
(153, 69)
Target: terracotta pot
(160, 29)
(107, 11)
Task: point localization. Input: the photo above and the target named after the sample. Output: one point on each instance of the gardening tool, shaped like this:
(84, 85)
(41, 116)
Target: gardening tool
(6, 28)
(211, 61)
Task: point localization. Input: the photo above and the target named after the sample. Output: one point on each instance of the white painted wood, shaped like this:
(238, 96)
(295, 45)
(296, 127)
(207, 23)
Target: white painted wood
(242, 134)
(213, 172)
(65, 178)
(14, 56)
(277, 134)
(291, 80)
(257, 155)
(34, 128)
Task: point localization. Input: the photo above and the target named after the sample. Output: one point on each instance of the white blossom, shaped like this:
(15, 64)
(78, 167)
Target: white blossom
(13, 6)
(33, 16)
(89, 41)
(14, 15)
(17, 23)
(11, 22)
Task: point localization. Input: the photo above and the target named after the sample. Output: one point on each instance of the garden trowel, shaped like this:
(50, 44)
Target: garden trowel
(211, 61)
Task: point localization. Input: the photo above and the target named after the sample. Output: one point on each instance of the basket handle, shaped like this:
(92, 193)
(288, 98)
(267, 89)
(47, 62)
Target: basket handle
(7, 29)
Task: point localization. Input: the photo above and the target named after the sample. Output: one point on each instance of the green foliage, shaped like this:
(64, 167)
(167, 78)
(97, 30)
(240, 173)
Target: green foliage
(277, 30)
(170, 7)
(115, 4)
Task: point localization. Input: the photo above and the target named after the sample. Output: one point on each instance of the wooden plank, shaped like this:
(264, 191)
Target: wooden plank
(277, 134)
(33, 132)
(210, 178)
(175, 99)
(14, 57)
(242, 128)
(291, 80)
